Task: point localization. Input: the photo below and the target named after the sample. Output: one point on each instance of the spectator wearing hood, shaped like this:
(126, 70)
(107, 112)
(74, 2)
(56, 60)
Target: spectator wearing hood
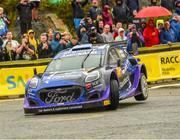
(107, 16)
(177, 7)
(95, 10)
(167, 35)
(78, 12)
(175, 25)
(56, 43)
(121, 12)
(160, 24)
(151, 34)
(33, 40)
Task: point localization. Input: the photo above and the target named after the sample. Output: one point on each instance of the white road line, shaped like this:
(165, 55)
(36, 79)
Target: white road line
(162, 86)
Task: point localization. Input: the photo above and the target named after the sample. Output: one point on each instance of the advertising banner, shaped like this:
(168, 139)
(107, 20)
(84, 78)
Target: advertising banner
(163, 65)
(13, 80)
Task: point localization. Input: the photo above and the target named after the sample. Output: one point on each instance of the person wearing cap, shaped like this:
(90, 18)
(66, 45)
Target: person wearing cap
(167, 35)
(94, 37)
(121, 36)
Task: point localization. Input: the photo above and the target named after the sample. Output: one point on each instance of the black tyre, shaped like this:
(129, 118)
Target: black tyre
(142, 88)
(114, 95)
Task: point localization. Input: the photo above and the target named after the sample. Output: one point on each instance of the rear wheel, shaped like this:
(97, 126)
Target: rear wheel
(114, 95)
(142, 88)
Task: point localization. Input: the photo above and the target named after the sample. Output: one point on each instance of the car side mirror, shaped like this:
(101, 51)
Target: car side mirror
(118, 63)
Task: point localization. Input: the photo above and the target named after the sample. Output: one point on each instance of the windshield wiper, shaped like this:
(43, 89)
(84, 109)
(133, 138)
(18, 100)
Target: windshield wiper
(82, 66)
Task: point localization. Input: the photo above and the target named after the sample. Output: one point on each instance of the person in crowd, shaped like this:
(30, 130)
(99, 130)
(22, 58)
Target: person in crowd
(95, 10)
(26, 51)
(118, 26)
(94, 37)
(134, 6)
(35, 12)
(142, 26)
(154, 2)
(57, 43)
(1, 50)
(135, 40)
(168, 4)
(3, 25)
(144, 3)
(107, 35)
(100, 26)
(177, 7)
(151, 34)
(160, 24)
(83, 36)
(121, 12)
(175, 25)
(105, 2)
(50, 35)
(107, 16)
(78, 13)
(121, 36)
(33, 40)
(24, 9)
(9, 47)
(69, 41)
(44, 48)
(167, 35)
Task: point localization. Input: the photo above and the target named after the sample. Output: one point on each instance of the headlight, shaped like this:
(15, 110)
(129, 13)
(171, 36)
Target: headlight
(92, 77)
(34, 82)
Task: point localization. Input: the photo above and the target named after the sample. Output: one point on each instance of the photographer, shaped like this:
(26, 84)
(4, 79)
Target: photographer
(44, 48)
(26, 51)
(134, 40)
(94, 37)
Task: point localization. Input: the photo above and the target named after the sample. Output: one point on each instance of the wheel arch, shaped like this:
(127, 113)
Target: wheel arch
(144, 70)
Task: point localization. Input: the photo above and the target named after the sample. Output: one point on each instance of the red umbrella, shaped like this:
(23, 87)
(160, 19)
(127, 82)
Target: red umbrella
(153, 11)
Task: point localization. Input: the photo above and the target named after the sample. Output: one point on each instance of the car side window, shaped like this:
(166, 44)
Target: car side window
(121, 53)
(113, 56)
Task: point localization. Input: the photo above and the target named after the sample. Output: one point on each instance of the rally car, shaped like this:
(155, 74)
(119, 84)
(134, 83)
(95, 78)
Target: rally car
(86, 76)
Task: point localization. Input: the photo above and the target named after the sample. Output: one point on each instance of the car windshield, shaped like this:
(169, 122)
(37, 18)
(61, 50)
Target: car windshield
(75, 62)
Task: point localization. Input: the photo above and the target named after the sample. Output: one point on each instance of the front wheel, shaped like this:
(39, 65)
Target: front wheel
(142, 88)
(114, 95)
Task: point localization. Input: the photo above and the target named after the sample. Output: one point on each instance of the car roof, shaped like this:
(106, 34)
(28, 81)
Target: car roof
(81, 48)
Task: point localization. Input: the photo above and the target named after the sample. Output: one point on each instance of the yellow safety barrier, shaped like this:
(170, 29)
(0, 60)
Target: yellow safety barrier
(163, 65)
(162, 62)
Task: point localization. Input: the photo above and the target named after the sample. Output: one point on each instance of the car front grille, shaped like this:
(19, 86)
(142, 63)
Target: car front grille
(60, 94)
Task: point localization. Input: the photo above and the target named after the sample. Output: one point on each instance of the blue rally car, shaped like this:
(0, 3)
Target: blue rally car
(86, 76)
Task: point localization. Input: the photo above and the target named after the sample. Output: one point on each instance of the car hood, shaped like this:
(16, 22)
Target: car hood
(74, 77)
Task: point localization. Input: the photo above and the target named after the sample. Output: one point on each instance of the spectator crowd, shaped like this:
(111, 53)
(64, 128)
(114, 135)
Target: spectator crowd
(105, 22)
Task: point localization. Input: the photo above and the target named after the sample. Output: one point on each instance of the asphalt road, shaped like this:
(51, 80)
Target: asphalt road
(158, 117)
